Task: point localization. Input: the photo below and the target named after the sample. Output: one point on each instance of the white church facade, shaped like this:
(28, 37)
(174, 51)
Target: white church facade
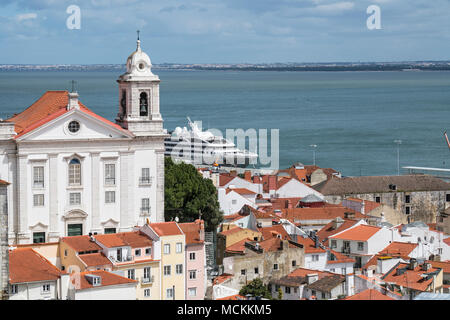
(73, 172)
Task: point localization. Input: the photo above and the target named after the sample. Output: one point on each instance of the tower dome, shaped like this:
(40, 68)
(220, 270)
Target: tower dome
(139, 65)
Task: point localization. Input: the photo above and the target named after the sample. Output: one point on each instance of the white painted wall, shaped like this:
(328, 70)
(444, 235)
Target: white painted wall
(33, 291)
(114, 292)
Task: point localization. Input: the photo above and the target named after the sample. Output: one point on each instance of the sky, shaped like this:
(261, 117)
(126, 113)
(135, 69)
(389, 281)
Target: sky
(223, 31)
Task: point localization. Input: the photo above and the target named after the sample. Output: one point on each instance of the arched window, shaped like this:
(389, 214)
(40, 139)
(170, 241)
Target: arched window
(143, 104)
(74, 172)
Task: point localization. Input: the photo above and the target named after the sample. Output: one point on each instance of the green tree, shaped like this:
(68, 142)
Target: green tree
(256, 288)
(280, 294)
(187, 194)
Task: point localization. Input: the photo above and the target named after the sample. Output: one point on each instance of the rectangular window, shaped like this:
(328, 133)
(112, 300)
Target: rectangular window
(147, 293)
(179, 268)
(110, 230)
(145, 176)
(275, 266)
(243, 272)
(360, 246)
(287, 290)
(38, 200)
(256, 271)
(447, 197)
(332, 270)
(167, 270)
(75, 172)
(145, 205)
(233, 201)
(38, 237)
(38, 177)
(333, 244)
(119, 254)
(148, 251)
(344, 271)
(13, 289)
(377, 199)
(192, 256)
(131, 274)
(315, 257)
(110, 197)
(74, 230)
(46, 288)
(167, 248)
(110, 174)
(192, 274)
(169, 293)
(407, 199)
(137, 252)
(179, 247)
(75, 198)
(147, 273)
(192, 292)
(294, 263)
(408, 210)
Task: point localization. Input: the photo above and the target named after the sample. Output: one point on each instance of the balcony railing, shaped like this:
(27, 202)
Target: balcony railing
(38, 184)
(150, 279)
(110, 181)
(346, 250)
(145, 180)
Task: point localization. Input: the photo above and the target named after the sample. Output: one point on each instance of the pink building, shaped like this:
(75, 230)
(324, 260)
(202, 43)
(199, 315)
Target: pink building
(195, 259)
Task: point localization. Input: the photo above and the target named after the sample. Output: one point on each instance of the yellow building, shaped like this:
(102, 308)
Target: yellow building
(230, 235)
(169, 243)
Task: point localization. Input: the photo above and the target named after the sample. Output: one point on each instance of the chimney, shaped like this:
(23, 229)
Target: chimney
(363, 207)
(316, 241)
(412, 264)
(73, 101)
(248, 175)
(312, 277)
(426, 266)
(337, 223)
(201, 229)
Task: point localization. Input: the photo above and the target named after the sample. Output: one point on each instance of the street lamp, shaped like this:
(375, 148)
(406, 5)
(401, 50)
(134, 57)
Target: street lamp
(398, 142)
(314, 146)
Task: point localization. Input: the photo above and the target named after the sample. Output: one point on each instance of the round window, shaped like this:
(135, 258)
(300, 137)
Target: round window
(141, 66)
(74, 126)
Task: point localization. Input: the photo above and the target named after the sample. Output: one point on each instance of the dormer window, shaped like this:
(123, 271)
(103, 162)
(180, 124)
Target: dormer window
(143, 104)
(74, 172)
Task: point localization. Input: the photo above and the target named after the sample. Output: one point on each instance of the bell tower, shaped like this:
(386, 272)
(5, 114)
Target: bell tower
(139, 96)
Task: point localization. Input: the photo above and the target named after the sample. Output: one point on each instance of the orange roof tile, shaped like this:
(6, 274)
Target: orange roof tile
(319, 213)
(358, 233)
(444, 265)
(134, 239)
(225, 179)
(309, 245)
(4, 183)
(233, 297)
(328, 230)
(340, 258)
(411, 278)
(107, 279)
(166, 228)
(369, 294)
(81, 243)
(447, 241)
(399, 248)
(26, 265)
(241, 191)
(94, 259)
(232, 231)
(274, 231)
(222, 278)
(238, 247)
(192, 231)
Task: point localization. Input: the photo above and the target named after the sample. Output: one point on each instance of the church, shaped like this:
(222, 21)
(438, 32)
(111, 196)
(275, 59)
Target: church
(73, 172)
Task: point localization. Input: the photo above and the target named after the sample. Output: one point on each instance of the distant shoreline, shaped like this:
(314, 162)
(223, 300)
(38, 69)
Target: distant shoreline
(294, 67)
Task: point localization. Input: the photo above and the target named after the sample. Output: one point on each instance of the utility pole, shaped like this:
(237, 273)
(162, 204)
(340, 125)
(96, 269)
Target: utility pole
(314, 146)
(398, 142)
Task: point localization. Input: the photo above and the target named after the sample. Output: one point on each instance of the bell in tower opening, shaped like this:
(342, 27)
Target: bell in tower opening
(143, 104)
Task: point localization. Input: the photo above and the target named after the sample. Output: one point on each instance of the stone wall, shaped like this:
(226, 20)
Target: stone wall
(424, 205)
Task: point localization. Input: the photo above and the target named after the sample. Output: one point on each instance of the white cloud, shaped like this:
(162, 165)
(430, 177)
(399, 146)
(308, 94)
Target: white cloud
(26, 16)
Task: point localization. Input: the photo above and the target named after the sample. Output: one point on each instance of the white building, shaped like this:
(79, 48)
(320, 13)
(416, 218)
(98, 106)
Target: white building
(232, 199)
(73, 172)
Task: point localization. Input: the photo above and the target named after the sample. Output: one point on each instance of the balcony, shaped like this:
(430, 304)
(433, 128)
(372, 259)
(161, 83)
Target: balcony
(38, 184)
(145, 181)
(346, 250)
(110, 181)
(147, 280)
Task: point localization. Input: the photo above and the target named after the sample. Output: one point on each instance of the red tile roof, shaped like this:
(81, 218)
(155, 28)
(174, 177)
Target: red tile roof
(309, 245)
(444, 265)
(234, 297)
(225, 179)
(369, 294)
(319, 213)
(231, 231)
(447, 241)
(166, 228)
(328, 230)
(241, 191)
(273, 244)
(358, 233)
(4, 183)
(368, 205)
(222, 278)
(134, 239)
(274, 231)
(411, 278)
(340, 258)
(81, 243)
(26, 265)
(399, 248)
(94, 259)
(192, 231)
(107, 279)
(49, 106)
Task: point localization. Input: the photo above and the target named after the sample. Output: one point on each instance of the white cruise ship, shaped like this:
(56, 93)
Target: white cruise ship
(199, 147)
